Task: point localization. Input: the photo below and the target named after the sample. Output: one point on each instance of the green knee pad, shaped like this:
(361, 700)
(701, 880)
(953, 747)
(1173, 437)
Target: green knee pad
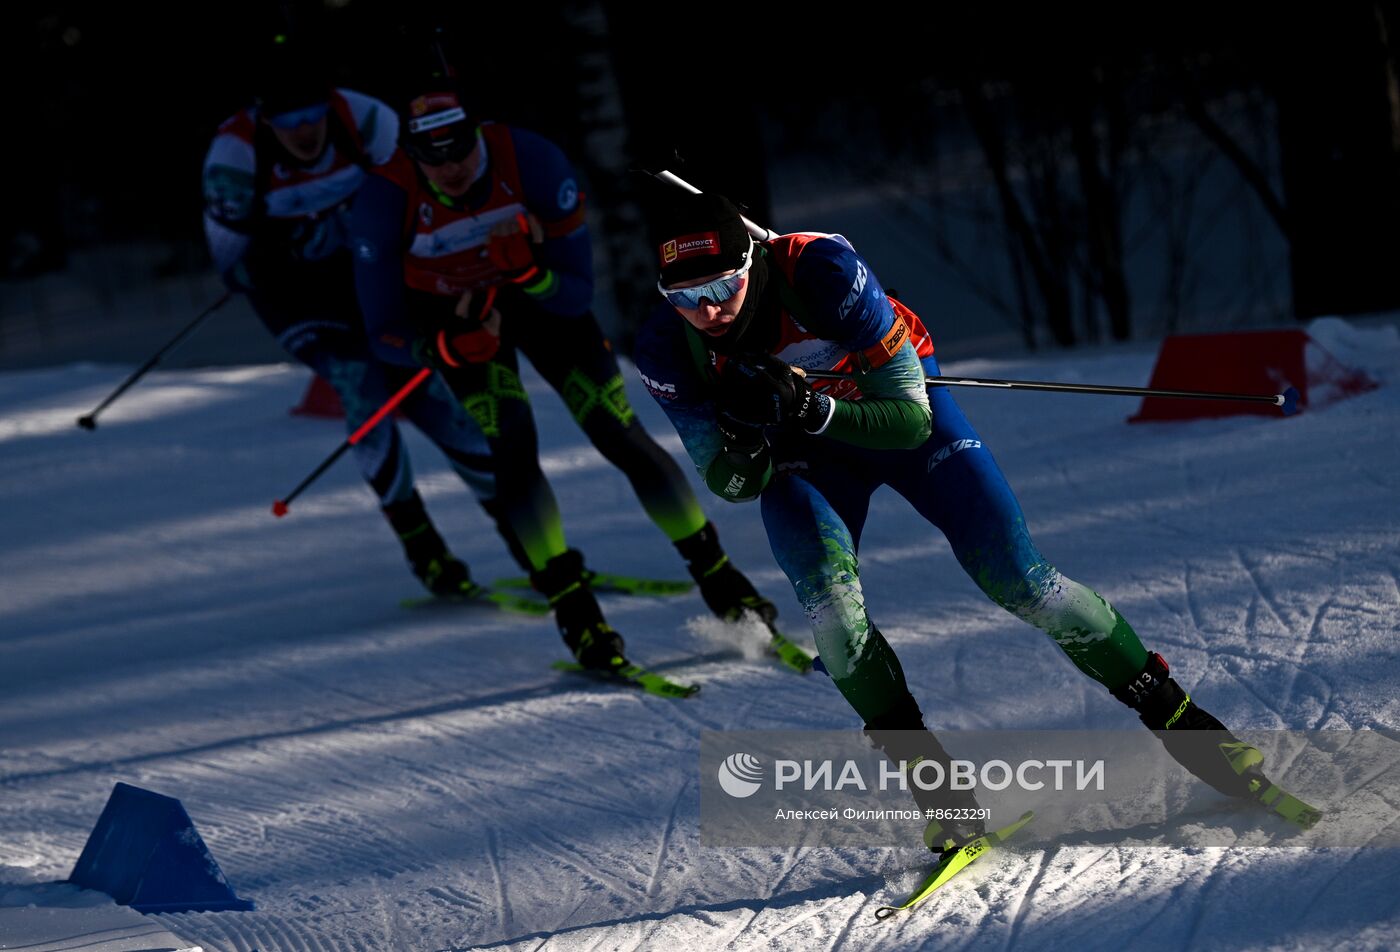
(582, 395)
(484, 406)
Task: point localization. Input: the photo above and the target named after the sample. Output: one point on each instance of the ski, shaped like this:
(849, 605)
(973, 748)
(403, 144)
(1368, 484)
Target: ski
(482, 597)
(953, 863)
(613, 582)
(634, 675)
(788, 651)
(779, 645)
(1285, 804)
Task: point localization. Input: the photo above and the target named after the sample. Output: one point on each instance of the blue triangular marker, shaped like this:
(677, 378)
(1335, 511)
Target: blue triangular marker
(145, 853)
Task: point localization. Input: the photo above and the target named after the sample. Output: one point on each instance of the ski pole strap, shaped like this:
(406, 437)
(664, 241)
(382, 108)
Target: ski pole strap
(444, 350)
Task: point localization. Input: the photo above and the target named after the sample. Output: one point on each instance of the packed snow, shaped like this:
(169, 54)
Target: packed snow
(376, 778)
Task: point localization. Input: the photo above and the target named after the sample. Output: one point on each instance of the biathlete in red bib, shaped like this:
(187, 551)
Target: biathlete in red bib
(470, 249)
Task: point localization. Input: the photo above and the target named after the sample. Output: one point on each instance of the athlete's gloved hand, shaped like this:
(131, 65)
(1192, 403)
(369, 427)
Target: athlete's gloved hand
(762, 390)
(739, 436)
(473, 339)
(511, 248)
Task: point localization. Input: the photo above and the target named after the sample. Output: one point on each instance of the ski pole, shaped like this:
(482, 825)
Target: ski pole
(1287, 401)
(89, 421)
(758, 231)
(279, 507)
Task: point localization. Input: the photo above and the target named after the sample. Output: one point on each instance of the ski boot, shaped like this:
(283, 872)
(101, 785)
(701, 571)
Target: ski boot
(1200, 743)
(954, 817)
(441, 572)
(589, 637)
(1193, 737)
(724, 588)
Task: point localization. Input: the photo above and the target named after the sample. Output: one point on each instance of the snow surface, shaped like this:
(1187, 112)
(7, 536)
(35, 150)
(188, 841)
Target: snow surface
(382, 779)
(59, 917)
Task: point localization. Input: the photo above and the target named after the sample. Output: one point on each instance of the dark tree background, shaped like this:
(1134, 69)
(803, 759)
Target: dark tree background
(1040, 128)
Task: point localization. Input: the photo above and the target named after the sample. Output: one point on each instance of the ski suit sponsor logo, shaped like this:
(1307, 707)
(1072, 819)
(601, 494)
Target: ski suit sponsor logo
(471, 232)
(432, 102)
(853, 295)
(741, 775)
(425, 214)
(437, 119)
(813, 354)
(896, 337)
(568, 195)
(689, 246)
(957, 446)
(664, 391)
(736, 484)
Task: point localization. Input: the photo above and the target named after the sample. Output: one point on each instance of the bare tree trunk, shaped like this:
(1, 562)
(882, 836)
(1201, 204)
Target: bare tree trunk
(1102, 216)
(1392, 80)
(1252, 173)
(1048, 278)
(1023, 293)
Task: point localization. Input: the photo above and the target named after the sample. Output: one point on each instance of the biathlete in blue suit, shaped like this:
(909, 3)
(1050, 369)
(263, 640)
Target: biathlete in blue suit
(724, 357)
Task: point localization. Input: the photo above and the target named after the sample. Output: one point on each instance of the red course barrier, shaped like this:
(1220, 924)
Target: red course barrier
(320, 400)
(1244, 362)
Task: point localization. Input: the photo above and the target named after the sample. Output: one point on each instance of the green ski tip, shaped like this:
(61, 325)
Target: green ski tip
(954, 863)
(482, 597)
(632, 674)
(1286, 805)
(789, 653)
(613, 582)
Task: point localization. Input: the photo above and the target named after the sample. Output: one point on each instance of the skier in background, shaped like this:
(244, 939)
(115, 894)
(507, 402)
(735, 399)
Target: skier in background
(471, 248)
(279, 180)
(719, 358)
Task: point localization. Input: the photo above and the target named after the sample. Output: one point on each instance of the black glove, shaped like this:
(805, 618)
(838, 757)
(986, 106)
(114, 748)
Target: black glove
(739, 436)
(464, 339)
(761, 390)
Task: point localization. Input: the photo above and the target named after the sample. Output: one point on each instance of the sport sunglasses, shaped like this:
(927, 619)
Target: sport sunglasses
(717, 291)
(455, 151)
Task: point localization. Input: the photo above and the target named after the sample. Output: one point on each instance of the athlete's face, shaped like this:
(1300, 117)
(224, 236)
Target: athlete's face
(711, 318)
(304, 141)
(454, 178)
